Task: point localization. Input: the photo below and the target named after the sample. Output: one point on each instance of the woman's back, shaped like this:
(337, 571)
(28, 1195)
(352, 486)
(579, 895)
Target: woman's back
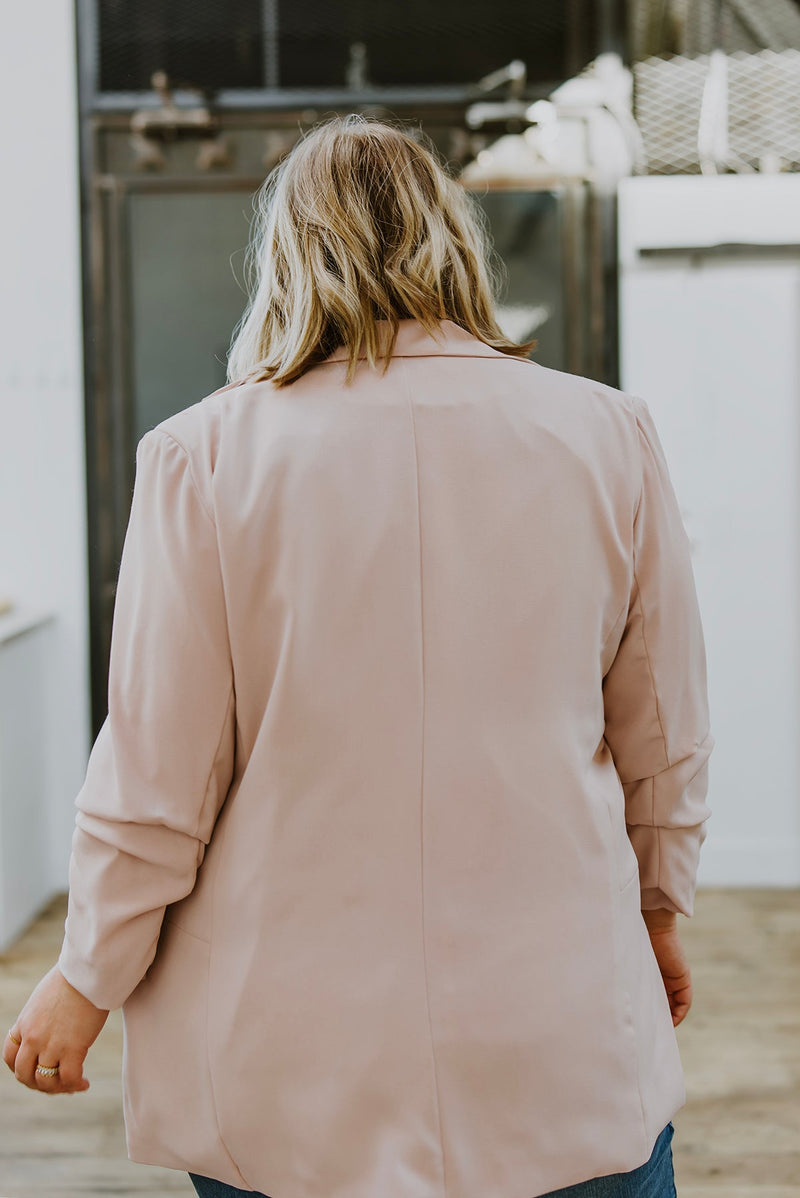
(407, 725)
(433, 604)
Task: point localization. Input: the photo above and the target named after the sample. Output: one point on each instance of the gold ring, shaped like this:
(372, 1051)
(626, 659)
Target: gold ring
(11, 1036)
(47, 1070)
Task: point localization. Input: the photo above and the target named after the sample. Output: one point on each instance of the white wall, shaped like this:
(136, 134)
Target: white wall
(712, 343)
(42, 470)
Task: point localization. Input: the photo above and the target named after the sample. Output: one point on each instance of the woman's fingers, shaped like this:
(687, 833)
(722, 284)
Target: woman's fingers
(70, 1073)
(680, 1001)
(22, 1059)
(11, 1048)
(25, 1064)
(674, 967)
(48, 1082)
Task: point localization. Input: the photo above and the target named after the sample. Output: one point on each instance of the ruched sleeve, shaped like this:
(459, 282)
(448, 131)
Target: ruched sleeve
(162, 763)
(655, 693)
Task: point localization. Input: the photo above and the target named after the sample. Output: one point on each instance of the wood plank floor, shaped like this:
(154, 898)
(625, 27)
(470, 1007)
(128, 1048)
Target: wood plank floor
(738, 1136)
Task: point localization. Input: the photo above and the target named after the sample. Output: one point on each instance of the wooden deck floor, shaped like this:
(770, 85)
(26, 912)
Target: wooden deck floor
(738, 1136)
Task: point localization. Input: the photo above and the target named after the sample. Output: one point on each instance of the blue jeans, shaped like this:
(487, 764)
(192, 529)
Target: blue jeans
(653, 1179)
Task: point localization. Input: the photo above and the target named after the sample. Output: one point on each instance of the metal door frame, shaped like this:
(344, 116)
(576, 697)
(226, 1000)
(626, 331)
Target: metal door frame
(106, 274)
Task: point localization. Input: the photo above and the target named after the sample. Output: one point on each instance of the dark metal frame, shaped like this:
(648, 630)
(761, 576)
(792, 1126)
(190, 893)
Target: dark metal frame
(581, 241)
(110, 403)
(109, 415)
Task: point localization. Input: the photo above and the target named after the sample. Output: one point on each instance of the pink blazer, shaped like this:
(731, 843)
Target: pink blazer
(407, 721)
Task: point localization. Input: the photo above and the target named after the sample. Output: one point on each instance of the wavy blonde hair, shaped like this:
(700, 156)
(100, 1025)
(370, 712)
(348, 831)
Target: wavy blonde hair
(361, 223)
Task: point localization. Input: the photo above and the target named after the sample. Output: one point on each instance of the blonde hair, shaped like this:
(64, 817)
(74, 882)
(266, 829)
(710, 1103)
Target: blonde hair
(360, 223)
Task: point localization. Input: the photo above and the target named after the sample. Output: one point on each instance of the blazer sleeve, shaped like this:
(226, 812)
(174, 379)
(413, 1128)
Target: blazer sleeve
(162, 763)
(655, 692)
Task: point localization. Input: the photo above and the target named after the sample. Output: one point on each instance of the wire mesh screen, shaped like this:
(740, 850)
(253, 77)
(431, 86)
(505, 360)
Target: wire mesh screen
(763, 109)
(232, 44)
(199, 43)
(419, 42)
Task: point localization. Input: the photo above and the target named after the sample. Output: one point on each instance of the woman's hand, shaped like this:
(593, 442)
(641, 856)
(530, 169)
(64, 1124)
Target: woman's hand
(672, 961)
(57, 1026)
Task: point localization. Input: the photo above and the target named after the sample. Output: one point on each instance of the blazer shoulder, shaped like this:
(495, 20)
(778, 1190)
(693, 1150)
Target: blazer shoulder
(188, 424)
(197, 429)
(590, 401)
(583, 387)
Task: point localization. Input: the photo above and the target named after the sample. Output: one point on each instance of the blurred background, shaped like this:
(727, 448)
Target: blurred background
(639, 163)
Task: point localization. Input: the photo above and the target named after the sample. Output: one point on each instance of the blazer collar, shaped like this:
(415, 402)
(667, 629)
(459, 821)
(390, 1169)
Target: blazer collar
(414, 341)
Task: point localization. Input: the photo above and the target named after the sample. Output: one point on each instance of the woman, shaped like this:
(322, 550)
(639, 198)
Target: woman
(402, 783)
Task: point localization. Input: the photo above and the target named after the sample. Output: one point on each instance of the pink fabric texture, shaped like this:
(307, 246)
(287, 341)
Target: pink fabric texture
(407, 722)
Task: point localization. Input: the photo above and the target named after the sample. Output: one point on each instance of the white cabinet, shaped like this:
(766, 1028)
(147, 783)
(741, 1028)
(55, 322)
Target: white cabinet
(710, 338)
(25, 850)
